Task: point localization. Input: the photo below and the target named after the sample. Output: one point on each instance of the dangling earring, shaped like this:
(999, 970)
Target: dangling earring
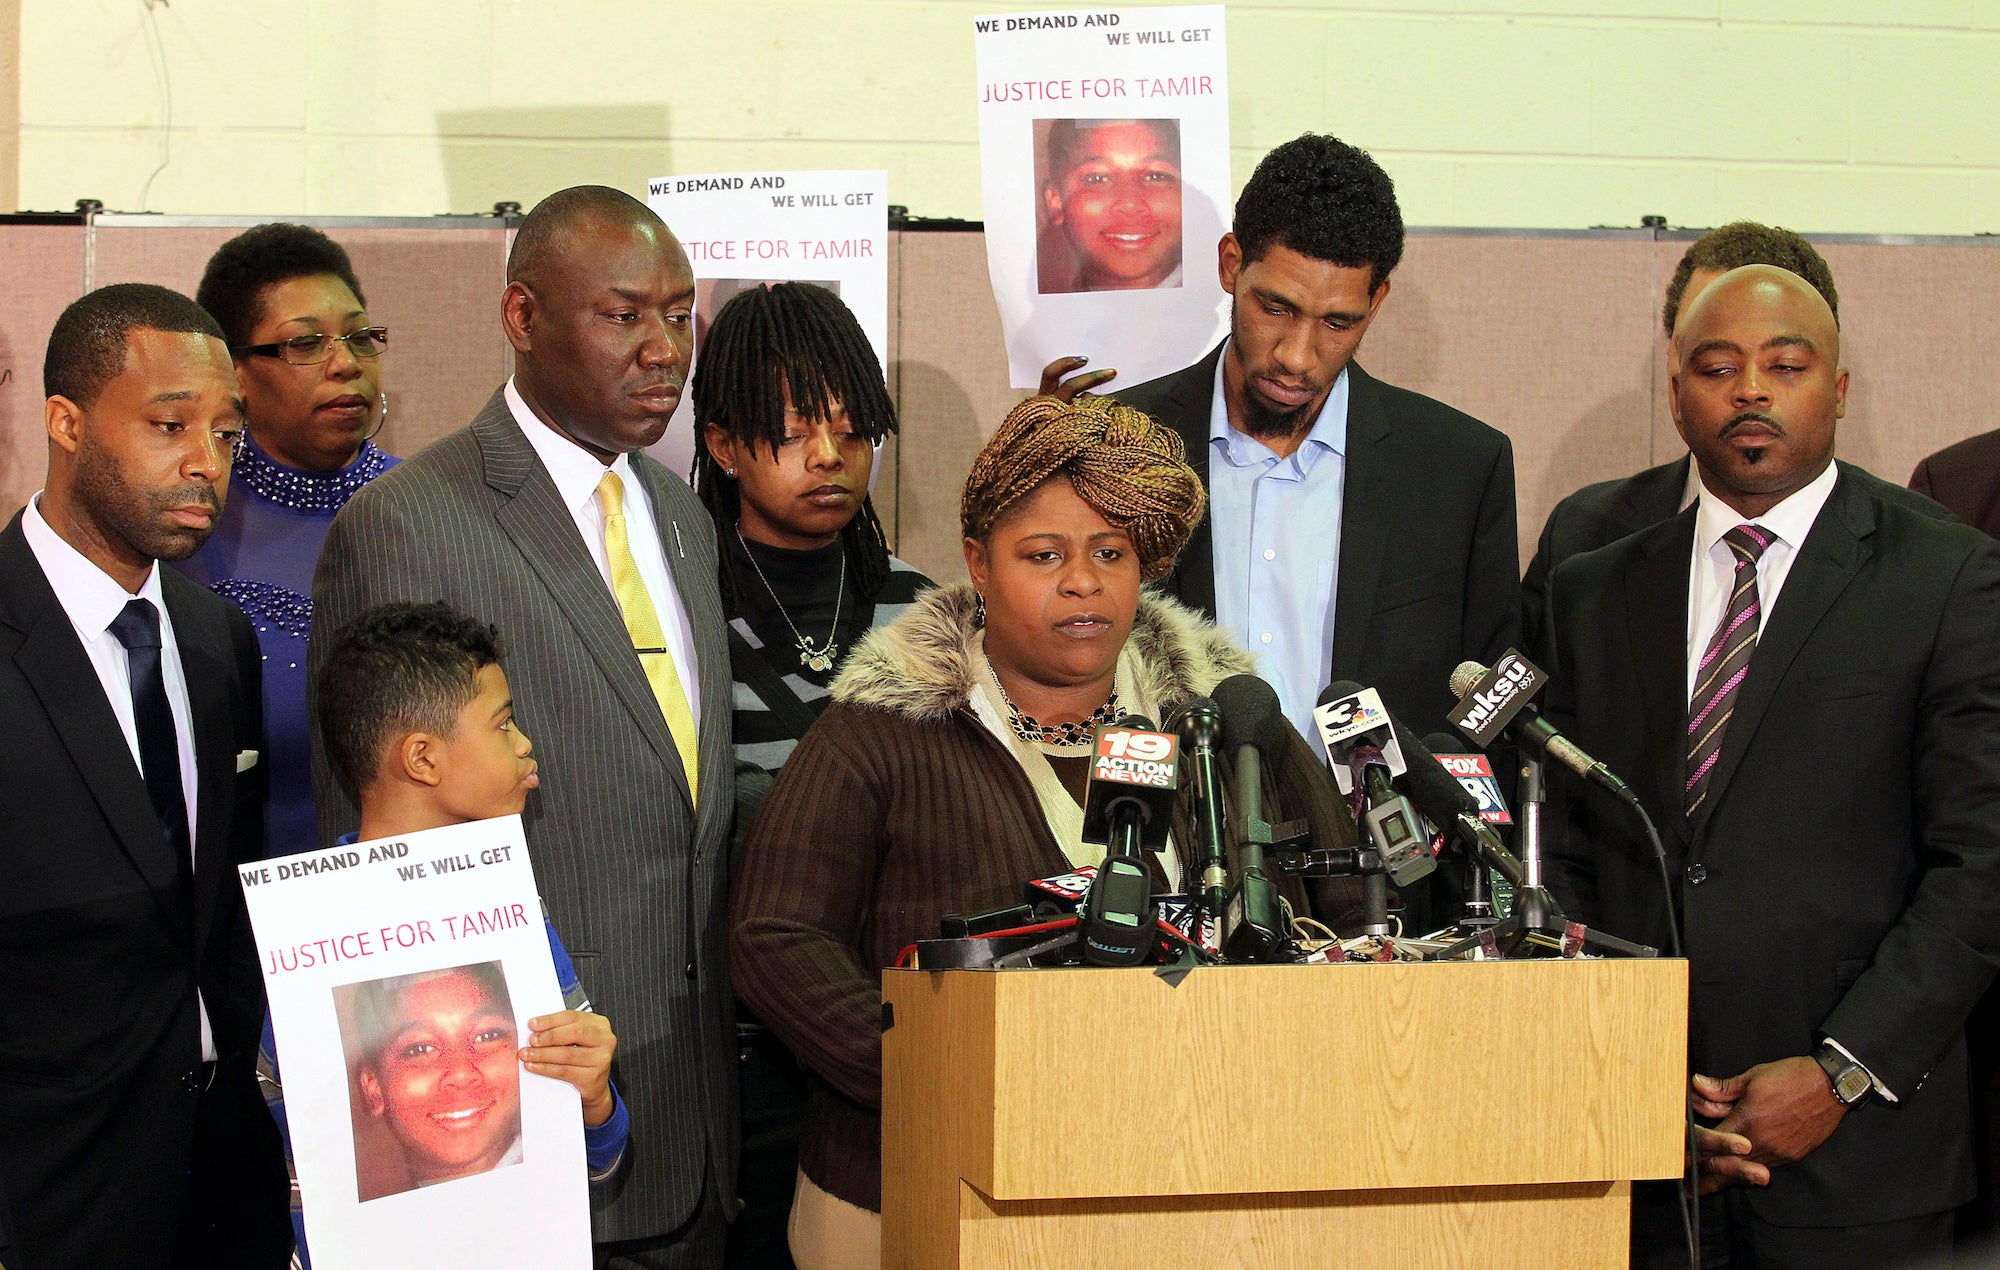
(978, 611)
(383, 421)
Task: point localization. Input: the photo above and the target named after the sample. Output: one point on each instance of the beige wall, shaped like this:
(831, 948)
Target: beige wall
(10, 100)
(1827, 115)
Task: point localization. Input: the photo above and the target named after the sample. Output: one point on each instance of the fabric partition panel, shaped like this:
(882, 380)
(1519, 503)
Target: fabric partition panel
(1552, 337)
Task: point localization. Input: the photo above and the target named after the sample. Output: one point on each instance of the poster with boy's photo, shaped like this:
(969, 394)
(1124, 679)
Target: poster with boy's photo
(401, 975)
(1104, 151)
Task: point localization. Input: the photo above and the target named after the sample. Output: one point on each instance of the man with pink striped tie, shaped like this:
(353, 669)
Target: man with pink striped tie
(1800, 675)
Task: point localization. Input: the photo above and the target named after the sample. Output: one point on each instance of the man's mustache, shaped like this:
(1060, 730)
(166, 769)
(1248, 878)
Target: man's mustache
(198, 494)
(1750, 416)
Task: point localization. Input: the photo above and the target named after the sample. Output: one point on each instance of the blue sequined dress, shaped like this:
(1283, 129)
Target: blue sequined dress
(261, 558)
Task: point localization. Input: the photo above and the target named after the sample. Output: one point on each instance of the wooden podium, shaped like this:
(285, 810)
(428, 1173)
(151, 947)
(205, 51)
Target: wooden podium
(1457, 1114)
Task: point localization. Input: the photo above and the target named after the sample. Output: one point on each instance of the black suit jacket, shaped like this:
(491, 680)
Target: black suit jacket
(1428, 554)
(1597, 516)
(1966, 478)
(101, 952)
(1844, 877)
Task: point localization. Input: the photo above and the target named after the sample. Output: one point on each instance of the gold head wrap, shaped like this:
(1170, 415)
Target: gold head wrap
(1132, 471)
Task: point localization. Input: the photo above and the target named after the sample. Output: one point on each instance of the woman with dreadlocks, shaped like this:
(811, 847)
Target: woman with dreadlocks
(790, 402)
(951, 765)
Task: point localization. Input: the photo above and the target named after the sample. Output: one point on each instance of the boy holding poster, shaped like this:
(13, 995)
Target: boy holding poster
(418, 722)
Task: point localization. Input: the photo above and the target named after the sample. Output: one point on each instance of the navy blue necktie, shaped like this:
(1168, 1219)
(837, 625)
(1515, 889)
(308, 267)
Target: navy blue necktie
(138, 628)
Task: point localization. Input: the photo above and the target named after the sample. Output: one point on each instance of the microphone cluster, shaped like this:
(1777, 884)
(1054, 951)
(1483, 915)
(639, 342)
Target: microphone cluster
(1209, 759)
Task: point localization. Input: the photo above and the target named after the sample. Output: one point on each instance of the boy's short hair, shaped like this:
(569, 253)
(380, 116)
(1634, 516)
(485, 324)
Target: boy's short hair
(397, 669)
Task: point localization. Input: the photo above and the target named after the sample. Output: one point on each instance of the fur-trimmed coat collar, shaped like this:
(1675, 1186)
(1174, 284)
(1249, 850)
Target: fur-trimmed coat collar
(921, 665)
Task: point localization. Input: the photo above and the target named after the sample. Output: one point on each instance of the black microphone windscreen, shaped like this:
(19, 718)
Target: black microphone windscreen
(1336, 690)
(1138, 723)
(1188, 707)
(1427, 784)
(1249, 709)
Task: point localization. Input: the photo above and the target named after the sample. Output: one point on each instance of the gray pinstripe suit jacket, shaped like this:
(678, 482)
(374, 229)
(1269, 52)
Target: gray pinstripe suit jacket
(636, 880)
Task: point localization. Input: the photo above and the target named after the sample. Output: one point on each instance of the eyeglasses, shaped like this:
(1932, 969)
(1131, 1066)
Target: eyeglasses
(311, 350)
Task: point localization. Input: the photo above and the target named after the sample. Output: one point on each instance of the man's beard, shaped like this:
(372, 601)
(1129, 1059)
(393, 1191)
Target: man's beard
(1263, 422)
(134, 514)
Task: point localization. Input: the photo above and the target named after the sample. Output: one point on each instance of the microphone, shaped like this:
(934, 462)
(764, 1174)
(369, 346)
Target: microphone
(1252, 722)
(1494, 701)
(1199, 726)
(1451, 807)
(1359, 733)
(1134, 772)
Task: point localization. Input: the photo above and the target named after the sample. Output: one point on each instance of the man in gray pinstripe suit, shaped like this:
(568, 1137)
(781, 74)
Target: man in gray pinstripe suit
(502, 519)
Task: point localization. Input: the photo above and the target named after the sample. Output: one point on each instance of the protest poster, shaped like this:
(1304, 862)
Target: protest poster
(1104, 151)
(401, 975)
(746, 229)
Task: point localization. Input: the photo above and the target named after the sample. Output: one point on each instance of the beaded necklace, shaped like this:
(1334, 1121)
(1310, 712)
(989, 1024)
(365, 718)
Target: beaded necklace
(301, 491)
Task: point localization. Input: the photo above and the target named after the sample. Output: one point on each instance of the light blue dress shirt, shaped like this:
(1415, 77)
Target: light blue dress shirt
(1275, 523)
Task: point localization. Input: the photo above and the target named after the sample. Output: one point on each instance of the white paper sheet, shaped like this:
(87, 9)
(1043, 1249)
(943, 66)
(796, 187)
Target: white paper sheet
(745, 228)
(401, 976)
(1104, 145)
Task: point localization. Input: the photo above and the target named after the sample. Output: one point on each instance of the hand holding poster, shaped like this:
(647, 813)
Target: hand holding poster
(1104, 141)
(401, 976)
(746, 229)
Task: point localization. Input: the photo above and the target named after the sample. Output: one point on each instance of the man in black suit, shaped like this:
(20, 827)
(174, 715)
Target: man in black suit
(1797, 675)
(1355, 530)
(1608, 510)
(132, 1133)
(1965, 477)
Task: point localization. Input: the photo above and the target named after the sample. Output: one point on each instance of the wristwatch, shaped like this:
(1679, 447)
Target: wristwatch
(1851, 1081)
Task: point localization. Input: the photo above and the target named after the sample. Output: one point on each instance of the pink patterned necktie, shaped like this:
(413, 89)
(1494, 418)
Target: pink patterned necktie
(1724, 664)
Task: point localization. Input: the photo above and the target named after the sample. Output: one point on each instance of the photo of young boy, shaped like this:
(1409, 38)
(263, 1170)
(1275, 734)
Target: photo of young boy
(1109, 213)
(432, 1061)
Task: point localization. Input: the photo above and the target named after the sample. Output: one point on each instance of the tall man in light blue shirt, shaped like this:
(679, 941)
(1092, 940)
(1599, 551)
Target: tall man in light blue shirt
(1274, 584)
(1356, 530)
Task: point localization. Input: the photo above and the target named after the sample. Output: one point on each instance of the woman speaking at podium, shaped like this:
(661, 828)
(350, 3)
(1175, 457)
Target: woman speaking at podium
(951, 765)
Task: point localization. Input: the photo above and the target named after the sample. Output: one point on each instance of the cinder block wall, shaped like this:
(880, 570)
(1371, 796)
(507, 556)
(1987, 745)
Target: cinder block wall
(1826, 115)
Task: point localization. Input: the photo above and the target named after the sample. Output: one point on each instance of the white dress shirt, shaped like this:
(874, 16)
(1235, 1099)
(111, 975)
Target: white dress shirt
(1712, 571)
(576, 473)
(92, 600)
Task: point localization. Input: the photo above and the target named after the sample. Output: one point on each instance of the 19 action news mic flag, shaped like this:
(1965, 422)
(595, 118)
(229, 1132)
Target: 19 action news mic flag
(1134, 774)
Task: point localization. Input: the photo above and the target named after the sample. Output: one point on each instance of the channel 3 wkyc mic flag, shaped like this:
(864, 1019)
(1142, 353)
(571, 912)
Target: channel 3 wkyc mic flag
(441, 930)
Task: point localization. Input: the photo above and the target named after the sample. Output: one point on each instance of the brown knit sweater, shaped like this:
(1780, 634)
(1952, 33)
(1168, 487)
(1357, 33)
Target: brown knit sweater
(899, 807)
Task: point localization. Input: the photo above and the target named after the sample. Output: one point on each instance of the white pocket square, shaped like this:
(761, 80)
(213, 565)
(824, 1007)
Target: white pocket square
(245, 760)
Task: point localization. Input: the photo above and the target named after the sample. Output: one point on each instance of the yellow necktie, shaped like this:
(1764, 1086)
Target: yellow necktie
(642, 623)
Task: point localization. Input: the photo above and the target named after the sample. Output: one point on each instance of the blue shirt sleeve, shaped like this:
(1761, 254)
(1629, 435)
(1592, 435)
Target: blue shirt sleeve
(603, 1145)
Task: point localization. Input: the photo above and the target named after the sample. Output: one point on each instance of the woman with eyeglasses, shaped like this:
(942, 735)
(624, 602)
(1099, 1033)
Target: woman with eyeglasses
(309, 363)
